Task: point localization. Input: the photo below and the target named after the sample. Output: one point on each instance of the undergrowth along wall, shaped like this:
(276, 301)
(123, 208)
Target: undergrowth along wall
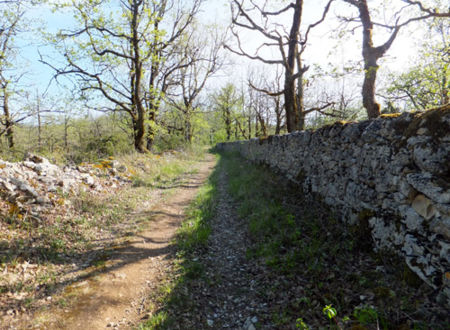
(390, 175)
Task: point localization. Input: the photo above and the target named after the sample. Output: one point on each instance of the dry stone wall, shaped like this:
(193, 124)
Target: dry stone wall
(393, 173)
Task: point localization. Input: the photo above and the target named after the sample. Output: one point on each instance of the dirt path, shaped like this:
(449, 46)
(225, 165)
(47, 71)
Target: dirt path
(116, 296)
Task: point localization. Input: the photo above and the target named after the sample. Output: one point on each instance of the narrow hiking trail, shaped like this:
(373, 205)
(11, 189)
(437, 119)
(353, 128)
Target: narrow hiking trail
(116, 297)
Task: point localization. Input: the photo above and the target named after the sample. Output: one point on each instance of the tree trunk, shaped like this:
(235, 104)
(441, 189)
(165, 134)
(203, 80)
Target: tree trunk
(151, 130)
(187, 126)
(278, 124)
(66, 132)
(300, 96)
(371, 55)
(139, 135)
(249, 120)
(445, 91)
(153, 103)
(263, 125)
(38, 112)
(9, 124)
(228, 123)
(290, 103)
(289, 83)
(368, 89)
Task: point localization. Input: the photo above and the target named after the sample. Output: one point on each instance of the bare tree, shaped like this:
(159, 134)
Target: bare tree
(198, 59)
(260, 82)
(371, 54)
(168, 57)
(291, 45)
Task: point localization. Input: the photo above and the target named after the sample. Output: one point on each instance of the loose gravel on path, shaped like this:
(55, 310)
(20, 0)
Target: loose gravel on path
(230, 294)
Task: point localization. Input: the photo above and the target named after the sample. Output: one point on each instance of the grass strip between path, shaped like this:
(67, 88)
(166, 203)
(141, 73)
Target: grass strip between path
(191, 237)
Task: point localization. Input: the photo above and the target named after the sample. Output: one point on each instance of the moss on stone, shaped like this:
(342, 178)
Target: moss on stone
(431, 120)
(390, 115)
(411, 278)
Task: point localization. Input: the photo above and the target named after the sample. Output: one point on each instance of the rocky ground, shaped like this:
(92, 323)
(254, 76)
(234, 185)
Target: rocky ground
(129, 274)
(40, 239)
(35, 186)
(63, 226)
(230, 296)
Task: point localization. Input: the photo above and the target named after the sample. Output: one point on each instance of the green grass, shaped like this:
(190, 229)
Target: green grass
(161, 171)
(282, 239)
(300, 239)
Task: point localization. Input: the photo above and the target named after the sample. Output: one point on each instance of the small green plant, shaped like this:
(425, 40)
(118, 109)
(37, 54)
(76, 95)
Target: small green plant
(367, 315)
(300, 324)
(157, 321)
(331, 313)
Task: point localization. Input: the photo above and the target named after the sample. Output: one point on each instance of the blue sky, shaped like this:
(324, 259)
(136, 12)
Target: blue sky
(324, 47)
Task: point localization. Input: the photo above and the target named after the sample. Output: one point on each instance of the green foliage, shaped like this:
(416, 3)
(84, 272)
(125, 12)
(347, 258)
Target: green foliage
(86, 140)
(229, 116)
(160, 320)
(300, 324)
(170, 133)
(366, 315)
(278, 237)
(330, 312)
(426, 84)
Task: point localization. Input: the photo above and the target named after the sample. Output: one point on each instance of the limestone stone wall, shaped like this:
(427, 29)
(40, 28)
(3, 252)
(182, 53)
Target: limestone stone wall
(393, 172)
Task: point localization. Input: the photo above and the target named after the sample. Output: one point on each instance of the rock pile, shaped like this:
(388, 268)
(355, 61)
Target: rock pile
(33, 185)
(390, 175)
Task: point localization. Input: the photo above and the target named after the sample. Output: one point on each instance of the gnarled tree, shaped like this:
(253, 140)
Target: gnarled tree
(290, 44)
(371, 54)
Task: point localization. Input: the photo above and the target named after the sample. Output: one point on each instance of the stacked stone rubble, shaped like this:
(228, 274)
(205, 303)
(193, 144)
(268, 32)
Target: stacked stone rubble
(393, 172)
(34, 185)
